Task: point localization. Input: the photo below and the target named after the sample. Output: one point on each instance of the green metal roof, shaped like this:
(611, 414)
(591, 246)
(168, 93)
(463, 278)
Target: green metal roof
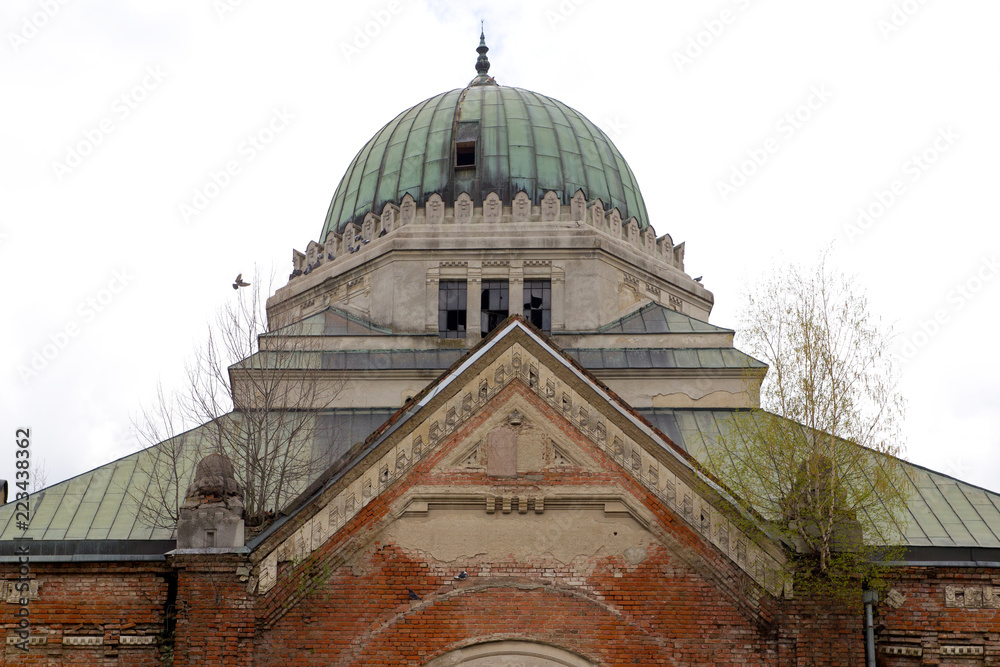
(104, 506)
(941, 511)
(654, 318)
(523, 141)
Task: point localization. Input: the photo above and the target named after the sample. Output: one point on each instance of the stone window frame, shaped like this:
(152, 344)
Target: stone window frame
(515, 272)
(460, 331)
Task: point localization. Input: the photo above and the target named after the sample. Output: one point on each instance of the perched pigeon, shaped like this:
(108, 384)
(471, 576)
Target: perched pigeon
(698, 279)
(413, 596)
(461, 576)
(239, 282)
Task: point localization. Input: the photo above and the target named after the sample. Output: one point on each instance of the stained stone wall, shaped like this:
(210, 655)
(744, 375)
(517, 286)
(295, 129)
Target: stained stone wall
(600, 266)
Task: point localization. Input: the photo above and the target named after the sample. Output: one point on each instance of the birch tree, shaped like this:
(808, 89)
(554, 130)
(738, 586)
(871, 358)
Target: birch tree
(820, 459)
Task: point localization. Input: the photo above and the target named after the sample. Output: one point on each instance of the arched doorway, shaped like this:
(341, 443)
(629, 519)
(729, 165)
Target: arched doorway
(509, 654)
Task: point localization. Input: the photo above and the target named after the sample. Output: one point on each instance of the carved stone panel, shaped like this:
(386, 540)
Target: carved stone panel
(407, 211)
(390, 217)
(597, 215)
(501, 452)
(615, 223)
(578, 207)
(492, 208)
(332, 248)
(463, 209)
(522, 207)
(649, 241)
(665, 249)
(632, 231)
(435, 209)
(313, 251)
(368, 226)
(972, 597)
(350, 236)
(550, 207)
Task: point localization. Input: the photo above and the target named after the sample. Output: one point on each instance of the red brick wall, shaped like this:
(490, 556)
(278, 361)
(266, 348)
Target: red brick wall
(100, 599)
(685, 603)
(684, 606)
(925, 621)
(215, 618)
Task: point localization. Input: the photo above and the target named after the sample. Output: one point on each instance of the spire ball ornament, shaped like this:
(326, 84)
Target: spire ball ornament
(482, 63)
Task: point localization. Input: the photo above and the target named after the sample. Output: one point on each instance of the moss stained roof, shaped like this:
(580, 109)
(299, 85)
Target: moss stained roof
(523, 141)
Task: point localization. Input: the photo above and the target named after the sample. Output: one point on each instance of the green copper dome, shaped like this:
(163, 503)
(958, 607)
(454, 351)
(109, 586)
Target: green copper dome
(481, 139)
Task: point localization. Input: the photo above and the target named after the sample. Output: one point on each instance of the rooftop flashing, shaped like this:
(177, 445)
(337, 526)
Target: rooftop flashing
(87, 550)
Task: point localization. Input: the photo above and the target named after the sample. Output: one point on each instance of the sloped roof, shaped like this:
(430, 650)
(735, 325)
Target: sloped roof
(331, 322)
(592, 359)
(92, 516)
(941, 510)
(96, 513)
(656, 318)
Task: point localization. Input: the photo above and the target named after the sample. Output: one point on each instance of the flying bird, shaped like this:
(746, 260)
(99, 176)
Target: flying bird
(461, 576)
(413, 596)
(239, 282)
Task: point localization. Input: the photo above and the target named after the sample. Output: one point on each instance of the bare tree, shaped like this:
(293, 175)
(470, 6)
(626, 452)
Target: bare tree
(252, 403)
(819, 460)
(39, 475)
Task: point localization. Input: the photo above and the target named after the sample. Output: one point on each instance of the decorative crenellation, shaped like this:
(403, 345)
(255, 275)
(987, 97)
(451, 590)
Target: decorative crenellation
(972, 597)
(33, 640)
(83, 641)
(464, 210)
(962, 650)
(516, 363)
(136, 640)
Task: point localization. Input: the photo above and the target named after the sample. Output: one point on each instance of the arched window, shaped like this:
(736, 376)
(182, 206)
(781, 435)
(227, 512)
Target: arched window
(509, 654)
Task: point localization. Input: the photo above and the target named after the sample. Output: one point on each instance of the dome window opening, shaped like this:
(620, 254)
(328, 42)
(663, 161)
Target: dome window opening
(466, 135)
(465, 155)
(495, 304)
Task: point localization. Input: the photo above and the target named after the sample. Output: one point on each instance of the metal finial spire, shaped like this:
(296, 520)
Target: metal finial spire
(482, 63)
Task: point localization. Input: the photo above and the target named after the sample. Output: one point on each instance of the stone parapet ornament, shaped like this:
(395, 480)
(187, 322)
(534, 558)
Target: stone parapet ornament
(491, 211)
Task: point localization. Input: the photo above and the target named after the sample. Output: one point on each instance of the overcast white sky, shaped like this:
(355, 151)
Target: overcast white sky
(115, 112)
